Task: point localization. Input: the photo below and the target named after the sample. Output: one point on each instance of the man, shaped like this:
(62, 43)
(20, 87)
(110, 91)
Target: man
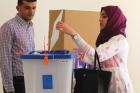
(16, 37)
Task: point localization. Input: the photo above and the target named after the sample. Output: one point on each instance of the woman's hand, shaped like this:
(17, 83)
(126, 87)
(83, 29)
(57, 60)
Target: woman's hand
(65, 28)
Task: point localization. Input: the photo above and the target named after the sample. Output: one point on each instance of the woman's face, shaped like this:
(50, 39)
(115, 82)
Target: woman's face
(103, 19)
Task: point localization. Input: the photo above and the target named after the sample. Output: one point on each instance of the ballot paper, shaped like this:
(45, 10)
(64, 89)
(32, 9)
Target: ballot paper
(55, 32)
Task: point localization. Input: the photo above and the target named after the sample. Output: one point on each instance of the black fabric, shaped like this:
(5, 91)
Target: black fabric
(92, 80)
(19, 85)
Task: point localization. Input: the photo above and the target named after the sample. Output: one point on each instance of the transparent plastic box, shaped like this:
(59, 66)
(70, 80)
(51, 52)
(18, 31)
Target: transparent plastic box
(54, 77)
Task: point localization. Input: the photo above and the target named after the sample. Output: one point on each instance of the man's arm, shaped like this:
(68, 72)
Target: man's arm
(6, 57)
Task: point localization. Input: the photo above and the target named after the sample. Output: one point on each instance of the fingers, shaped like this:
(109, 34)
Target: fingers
(60, 25)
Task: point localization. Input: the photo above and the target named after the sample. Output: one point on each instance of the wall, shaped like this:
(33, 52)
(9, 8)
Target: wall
(130, 8)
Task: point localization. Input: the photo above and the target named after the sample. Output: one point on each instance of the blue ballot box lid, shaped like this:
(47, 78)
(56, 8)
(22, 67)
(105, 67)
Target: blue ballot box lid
(54, 54)
(51, 52)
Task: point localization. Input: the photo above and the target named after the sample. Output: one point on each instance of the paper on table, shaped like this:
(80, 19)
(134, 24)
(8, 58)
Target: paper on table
(55, 33)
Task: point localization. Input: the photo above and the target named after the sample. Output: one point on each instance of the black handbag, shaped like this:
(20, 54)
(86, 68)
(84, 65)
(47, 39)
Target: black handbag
(92, 80)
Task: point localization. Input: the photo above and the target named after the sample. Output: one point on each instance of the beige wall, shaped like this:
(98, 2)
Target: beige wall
(130, 8)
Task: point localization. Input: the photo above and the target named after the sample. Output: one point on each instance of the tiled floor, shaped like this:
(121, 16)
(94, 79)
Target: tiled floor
(1, 90)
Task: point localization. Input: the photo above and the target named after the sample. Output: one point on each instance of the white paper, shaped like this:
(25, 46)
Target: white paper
(55, 33)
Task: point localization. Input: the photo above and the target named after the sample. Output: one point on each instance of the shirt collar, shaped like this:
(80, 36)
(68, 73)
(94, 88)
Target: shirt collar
(22, 21)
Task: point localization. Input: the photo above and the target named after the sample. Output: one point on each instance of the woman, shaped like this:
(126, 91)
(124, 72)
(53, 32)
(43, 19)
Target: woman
(111, 46)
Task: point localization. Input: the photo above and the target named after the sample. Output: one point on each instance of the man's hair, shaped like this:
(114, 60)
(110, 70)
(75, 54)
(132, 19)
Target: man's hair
(20, 2)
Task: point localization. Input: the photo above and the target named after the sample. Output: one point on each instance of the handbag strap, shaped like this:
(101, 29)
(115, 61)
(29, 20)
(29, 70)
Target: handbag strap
(96, 59)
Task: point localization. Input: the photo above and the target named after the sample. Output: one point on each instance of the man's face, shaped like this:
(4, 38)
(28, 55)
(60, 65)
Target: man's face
(27, 10)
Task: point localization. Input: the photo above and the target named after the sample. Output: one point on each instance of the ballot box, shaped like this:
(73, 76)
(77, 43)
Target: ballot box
(54, 77)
